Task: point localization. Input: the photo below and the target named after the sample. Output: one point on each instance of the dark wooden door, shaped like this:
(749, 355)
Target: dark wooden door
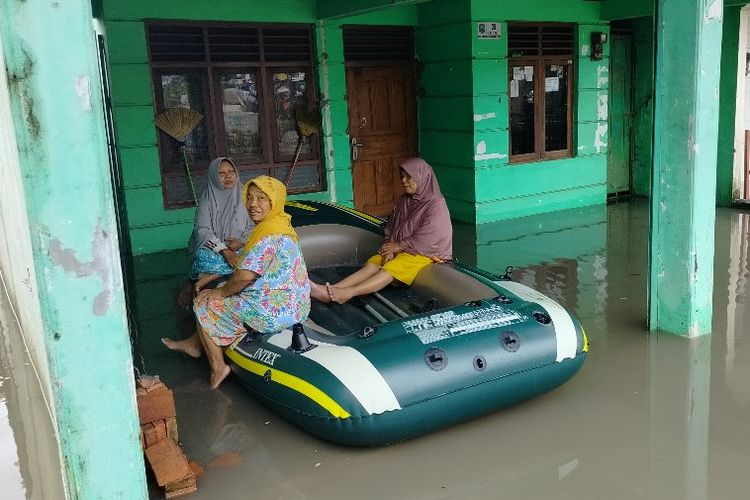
(382, 128)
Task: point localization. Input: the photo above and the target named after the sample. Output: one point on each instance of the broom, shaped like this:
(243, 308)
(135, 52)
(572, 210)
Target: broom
(308, 123)
(178, 123)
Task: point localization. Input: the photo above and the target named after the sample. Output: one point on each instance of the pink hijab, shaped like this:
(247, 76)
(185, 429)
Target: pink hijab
(421, 221)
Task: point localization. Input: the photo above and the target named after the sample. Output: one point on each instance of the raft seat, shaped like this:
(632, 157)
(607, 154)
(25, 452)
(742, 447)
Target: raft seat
(333, 251)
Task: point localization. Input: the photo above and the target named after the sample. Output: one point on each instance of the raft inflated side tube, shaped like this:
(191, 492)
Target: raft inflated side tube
(417, 375)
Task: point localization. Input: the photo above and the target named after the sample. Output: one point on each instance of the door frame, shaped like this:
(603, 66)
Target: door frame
(625, 30)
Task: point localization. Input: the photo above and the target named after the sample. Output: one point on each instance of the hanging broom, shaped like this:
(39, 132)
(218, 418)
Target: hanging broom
(308, 123)
(178, 123)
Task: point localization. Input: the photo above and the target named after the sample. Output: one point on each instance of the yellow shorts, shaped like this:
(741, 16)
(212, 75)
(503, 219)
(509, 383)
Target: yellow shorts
(404, 267)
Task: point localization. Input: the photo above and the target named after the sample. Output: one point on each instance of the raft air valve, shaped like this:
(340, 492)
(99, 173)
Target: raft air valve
(300, 342)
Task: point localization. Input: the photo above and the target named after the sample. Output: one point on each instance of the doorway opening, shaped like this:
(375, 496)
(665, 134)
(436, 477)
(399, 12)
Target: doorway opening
(741, 169)
(620, 115)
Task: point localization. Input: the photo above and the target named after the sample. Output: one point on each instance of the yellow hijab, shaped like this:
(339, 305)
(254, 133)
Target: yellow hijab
(277, 221)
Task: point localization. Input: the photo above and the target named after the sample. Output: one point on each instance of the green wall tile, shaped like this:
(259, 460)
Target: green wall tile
(535, 10)
(135, 125)
(592, 105)
(277, 11)
(161, 266)
(126, 42)
(445, 113)
(140, 167)
(160, 238)
(518, 181)
(146, 208)
(439, 12)
(329, 39)
(447, 79)
(490, 148)
(335, 74)
(543, 203)
(460, 210)
(452, 148)
(592, 138)
(593, 74)
(130, 84)
(613, 9)
(447, 42)
(491, 112)
(339, 111)
(405, 15)
(455, 183)
(490, 76)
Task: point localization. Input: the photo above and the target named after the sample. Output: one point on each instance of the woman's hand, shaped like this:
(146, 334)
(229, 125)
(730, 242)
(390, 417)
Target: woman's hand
(391, 247)
(230, 256)
(388, 257)
(206, 296)
(234, 244)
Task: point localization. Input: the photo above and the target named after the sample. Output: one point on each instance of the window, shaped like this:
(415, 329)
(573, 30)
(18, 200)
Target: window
(540, 61)
(246, 81)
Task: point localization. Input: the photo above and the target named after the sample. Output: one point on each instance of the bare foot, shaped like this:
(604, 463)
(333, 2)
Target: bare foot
(203, 280)
(340, 295)
(319, 292)
(218, 378)
(190, 346)
(185, 295)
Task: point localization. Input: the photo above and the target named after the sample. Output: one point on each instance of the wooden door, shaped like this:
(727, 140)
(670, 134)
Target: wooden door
(620, 115)
(382, 129)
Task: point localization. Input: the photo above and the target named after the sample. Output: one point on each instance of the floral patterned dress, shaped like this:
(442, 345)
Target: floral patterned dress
(279, 298)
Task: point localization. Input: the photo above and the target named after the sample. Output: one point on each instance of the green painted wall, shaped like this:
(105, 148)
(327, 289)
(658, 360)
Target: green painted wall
(643, 103)
(153, 228)
(625, 9)
(464, 112)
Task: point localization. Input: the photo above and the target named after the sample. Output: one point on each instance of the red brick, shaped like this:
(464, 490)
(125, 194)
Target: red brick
(156, 405)
(168, 462)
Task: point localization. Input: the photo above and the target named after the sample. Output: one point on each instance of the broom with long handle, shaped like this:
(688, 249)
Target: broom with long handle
(178, 123)
(308, 123)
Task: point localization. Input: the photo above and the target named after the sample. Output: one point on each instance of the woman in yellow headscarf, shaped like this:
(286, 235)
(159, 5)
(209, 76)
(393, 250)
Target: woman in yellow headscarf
(269, 289)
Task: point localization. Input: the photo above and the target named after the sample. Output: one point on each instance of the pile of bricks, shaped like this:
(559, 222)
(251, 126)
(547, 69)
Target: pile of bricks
(171, 468)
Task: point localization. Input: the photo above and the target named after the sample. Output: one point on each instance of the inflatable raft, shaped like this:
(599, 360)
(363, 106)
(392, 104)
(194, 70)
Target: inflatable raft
(456, 344)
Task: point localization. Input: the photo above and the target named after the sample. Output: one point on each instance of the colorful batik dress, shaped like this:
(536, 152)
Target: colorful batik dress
(279, 298)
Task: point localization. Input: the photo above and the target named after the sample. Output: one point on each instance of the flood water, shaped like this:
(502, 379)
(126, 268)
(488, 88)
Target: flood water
(649, 416)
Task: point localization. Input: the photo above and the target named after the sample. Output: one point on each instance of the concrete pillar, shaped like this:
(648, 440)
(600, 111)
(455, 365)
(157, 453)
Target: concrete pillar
(83, 343)
(686, 114)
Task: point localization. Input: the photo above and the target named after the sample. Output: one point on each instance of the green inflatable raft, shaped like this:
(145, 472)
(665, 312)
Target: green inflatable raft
(457, 344)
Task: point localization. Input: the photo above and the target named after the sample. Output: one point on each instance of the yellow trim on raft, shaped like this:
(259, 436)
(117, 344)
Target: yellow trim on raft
(302, 206)
(295, 383)
(585, 340)
(357, 213)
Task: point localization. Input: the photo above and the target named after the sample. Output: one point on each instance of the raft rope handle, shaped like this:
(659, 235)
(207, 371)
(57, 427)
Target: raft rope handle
(508, 274)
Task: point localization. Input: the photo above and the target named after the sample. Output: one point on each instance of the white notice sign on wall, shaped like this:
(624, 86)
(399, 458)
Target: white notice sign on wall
(488, 29)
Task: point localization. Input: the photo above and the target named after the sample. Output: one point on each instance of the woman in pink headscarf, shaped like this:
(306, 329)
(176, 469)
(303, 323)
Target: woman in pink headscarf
(418, 233)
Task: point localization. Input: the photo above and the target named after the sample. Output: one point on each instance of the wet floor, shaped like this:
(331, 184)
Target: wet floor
(649, 416)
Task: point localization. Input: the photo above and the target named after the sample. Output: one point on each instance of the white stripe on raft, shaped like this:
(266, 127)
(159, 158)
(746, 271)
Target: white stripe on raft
(565, 330)
(353, 370)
